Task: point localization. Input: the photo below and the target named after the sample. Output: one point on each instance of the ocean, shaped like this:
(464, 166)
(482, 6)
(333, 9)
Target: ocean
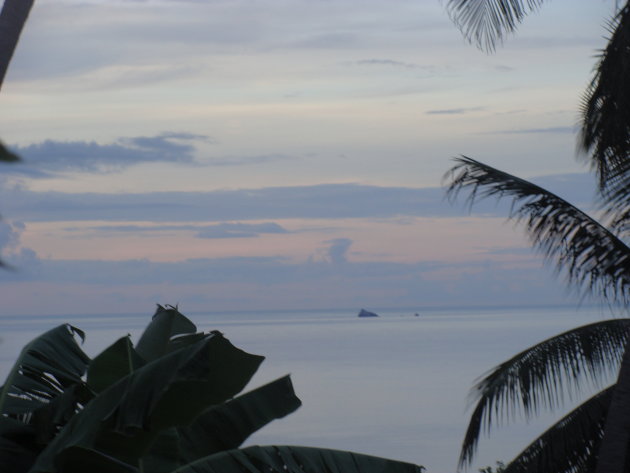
(394, 386)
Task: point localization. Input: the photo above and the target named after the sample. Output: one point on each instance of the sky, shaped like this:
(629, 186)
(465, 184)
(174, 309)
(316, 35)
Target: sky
(242, 154)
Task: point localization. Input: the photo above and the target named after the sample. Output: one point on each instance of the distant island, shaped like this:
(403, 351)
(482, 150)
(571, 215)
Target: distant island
(367, 313)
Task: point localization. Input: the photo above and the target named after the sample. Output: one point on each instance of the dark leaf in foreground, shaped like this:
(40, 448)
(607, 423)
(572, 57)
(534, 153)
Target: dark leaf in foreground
(12, 19)
(125, 418)
(48, 365)
(570, 445)
(606, 109)
(592, 257)
(539, 376)
(7, 156)
(222, 427)
(289, 459)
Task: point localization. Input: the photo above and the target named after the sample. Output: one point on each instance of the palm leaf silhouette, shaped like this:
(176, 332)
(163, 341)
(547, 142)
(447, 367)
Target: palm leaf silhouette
(541, 375)
(570, 445)
(606, 121)
(591, 257)
(487, 22)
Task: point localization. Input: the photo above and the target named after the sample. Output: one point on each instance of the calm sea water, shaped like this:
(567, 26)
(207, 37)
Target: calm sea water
(394, 386)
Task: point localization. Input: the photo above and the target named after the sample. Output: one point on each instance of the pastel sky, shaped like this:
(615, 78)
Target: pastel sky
(242, 154)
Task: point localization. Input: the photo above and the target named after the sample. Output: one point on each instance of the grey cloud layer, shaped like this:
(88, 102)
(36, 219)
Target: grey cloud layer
(391, 62)
(322, 201)
(291, 284)
(307, 202)
(50, 157)
(220, 230)
(551, 129)
(454, 111)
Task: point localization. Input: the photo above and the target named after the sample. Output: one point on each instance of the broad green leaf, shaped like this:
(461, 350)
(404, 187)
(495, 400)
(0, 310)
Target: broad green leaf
(124, 419)
(46, 366)
(222, 427)
(18, 446)
(52, 416)
(228, 425)
(166, 323)
(114, 363)
(182, 341)
(164, 455)
(83, 460)
(289, 459)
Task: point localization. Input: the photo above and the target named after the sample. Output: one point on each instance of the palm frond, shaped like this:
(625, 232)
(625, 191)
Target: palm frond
(12, 19)
(487, 22)
(569, 446)
(591, 257)
(6, 155)
(541, 375)
(606, 108)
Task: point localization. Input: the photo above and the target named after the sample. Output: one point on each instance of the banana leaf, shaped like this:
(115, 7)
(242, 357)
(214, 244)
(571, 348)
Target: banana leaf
(50, 418)
(290, 459)
(80, 460)
(165, 453)
(166, 324)
(18, 445)
(112, 364)
(124, 419)
(47, 366)
(222, 427)
(228, 425)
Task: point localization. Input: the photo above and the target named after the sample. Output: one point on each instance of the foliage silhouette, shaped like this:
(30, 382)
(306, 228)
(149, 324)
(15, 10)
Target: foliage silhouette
(592, 256)
(169, 404)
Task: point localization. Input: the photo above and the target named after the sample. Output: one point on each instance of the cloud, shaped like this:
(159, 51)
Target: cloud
(388, 62)
(325, 201)
(551, 129)
(50, 157)
(327, 41)
(248, 160)
(274, 282)
(503, 68)
(319, 201)
(511, 251)
(239, 230)
(10, 234)
(221, 230)
(338, 250)
(454, 111)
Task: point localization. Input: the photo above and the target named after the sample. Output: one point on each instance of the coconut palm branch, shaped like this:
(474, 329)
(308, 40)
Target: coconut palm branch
(540, 376)
(605, 130)
(571, 444)
(591, 257)
(487, 22)
(606, 104)
(12, 19)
